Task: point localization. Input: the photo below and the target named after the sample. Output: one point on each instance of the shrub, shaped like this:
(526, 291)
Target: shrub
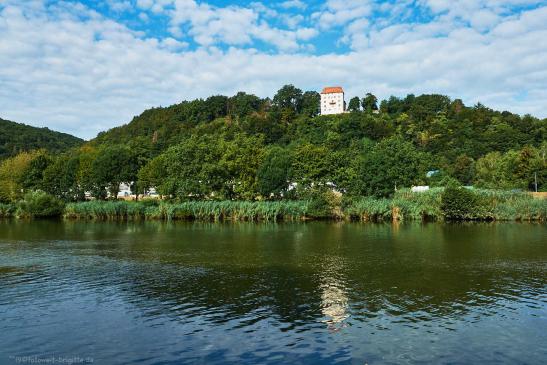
(38, 204)
(7, 210)
(324, 204)
(458, 203)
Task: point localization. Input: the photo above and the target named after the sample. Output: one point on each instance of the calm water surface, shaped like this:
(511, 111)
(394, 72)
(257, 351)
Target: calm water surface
(318, 293)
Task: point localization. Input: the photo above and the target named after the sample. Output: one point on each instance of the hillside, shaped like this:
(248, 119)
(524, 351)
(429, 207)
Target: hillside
(434, 123)
(18, 137)
(164, 126)
(248, 148)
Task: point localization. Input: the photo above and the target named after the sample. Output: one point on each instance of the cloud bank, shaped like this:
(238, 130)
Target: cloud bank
(81, 69)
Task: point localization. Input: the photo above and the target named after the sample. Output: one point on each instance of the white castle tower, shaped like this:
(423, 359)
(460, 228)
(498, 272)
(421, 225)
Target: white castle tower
(332, 100)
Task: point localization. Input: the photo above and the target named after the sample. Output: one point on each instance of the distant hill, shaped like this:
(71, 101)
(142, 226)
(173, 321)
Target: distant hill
(164, 126)
(434, 123)
(17, 137)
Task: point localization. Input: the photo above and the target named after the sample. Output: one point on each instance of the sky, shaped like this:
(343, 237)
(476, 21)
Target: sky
(82, 67)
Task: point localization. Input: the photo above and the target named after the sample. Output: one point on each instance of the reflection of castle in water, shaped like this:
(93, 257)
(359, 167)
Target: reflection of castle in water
(334, 304)
(334, 300)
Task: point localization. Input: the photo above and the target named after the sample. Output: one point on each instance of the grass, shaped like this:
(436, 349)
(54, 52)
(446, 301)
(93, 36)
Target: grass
(517, 206)
(370, 209)
(494, 205)
(405, 205)
(193, 210)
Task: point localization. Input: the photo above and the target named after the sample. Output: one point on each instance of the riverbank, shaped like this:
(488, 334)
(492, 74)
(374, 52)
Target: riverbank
(434, 205)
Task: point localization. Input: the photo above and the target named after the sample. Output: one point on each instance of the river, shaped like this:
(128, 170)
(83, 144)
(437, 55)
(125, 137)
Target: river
(289, 293)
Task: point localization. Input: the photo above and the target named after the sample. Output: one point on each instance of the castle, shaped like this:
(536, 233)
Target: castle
(332, 101)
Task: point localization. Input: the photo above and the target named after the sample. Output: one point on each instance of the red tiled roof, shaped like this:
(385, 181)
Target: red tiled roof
(333, 90)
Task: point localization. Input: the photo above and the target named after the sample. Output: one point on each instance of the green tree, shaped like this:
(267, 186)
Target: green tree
(528, 168)
(310, 166)
(289, 97)
(12, 173)
(464, 169)
(370, 103)
(493, 171)
(273, 173)
(152, 175)
(391, 163)
(193, 169)
(354, 104)
(243, 104)
(268, 126)
(216, 107)
(241, 159)
(311, 103)
(60, 178)
(85, 178)
(34, 175)
(114, 165)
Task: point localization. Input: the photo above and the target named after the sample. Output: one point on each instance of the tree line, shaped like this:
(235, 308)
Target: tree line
(247, 148)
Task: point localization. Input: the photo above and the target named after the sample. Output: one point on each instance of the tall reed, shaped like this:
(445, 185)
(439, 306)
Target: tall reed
(7, 210)
(405, 205)
(198, 210)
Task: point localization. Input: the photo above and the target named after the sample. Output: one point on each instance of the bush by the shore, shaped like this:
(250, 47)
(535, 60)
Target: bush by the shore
(7, 210)
(38, 204)
(35, 204)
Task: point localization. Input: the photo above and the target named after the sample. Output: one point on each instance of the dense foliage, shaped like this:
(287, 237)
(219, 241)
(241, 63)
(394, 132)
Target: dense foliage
(38, 204)
(16, 138)
(459, 203)
(244, 148)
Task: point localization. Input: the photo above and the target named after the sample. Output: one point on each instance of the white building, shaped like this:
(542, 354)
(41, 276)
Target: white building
(332, 101)
(419, 189)
(124, 191)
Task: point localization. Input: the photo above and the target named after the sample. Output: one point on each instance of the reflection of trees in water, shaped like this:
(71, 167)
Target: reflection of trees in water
(440, 270)
(416, 270)
(301, 273)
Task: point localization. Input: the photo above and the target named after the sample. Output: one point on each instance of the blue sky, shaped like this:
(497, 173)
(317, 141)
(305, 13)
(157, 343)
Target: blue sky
(86, 66)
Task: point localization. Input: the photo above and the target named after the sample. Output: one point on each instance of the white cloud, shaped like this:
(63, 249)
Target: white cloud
(155, 6)
(470, 10)
(293, 4)
(145, 4)
(263, 9)
(144, 17)
(119, 5)
(69, 68)
(232, 25)
(292, 21)
(340, 12)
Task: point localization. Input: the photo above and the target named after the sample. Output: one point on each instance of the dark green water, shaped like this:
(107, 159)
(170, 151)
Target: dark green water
(318, 293)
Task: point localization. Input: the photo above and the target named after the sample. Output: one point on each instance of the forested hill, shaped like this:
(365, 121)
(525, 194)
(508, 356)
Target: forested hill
(164, 126)
(17, 137)
(247, 148)
(433, 123)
